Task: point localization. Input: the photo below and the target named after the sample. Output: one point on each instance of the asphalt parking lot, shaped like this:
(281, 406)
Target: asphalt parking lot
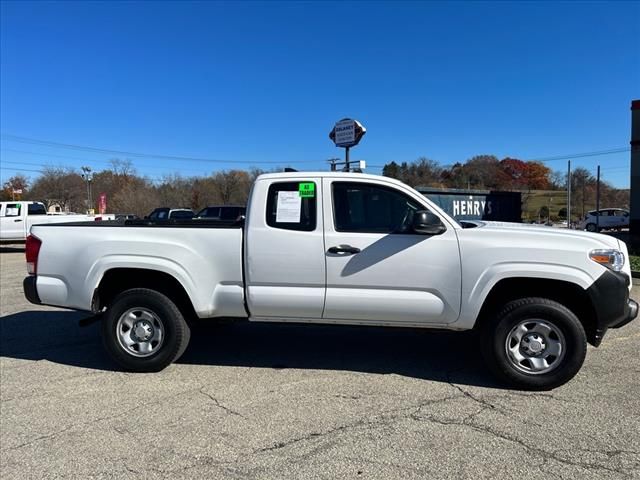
(283, 401)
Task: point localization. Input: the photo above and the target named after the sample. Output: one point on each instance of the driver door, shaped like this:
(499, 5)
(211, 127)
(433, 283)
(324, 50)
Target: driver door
(378, 269)
(12, 221)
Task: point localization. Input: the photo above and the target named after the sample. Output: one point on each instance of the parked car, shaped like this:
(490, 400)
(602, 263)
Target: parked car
(605, 219)
(222, 212)
(341, 248)
(16, 219)
(122, 217)
(170, 213)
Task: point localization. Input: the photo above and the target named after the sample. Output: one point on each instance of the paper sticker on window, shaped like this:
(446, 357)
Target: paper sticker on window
(307, 189)
(12, 211)
(288, 207)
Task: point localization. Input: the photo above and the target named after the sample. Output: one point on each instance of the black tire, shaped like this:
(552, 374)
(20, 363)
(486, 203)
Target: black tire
(591, 227)
(168, 320)
(567, 331)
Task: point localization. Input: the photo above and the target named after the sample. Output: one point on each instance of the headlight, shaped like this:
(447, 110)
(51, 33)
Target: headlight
(612, 259)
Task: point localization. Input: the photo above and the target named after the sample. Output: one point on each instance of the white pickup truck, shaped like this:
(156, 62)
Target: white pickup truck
(17, 218)
(340, 248)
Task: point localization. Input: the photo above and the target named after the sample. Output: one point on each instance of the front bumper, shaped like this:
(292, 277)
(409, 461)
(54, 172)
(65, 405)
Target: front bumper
(631, 312)
(30, 290)
(613, 308)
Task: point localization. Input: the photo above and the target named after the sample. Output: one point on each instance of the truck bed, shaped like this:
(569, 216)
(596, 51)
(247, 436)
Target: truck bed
(204, 256)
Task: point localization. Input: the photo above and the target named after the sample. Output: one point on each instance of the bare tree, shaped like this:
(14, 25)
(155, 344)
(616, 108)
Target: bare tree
(232, 186)
(62, 186)
(122, 167)
(138, 196)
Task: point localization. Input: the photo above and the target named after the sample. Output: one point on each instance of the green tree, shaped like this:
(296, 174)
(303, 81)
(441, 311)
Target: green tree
(391, 170)
(544, 212)
(17, 183)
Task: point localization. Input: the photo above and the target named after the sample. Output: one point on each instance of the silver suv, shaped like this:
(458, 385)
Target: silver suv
(605, 218)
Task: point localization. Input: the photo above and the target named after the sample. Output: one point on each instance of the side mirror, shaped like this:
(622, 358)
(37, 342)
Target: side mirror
(427, 223)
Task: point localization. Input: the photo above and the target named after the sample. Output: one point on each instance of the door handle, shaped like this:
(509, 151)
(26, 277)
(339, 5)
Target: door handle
(346, 249)
(18, 220)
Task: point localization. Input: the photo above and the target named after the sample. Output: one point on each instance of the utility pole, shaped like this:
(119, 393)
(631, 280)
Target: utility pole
(635, 173)
(569, 195)
(583, 192)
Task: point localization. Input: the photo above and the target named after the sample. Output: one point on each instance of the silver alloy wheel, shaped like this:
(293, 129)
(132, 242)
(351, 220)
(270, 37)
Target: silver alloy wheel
(535, 346)
(140, 332)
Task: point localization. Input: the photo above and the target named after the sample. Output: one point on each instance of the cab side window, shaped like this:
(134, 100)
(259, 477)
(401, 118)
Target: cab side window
(287, 209)
(36, 209)
(368, 208)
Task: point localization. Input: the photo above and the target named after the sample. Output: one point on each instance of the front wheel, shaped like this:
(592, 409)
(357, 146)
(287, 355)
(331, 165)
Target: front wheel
(534, 344)
(144, 331)
(591, 227)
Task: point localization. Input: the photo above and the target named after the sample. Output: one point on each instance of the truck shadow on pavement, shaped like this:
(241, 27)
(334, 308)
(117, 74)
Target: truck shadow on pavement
(431, 355)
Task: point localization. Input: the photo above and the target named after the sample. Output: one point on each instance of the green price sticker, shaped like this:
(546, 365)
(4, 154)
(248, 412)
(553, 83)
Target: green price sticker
(307, 189)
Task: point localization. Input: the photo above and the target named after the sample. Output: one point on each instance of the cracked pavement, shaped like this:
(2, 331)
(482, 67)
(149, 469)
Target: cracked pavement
(287, 401)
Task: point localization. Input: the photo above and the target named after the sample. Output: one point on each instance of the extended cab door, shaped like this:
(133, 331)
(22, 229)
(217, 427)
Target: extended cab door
(12, 224)
(284, 249)
(378, 268)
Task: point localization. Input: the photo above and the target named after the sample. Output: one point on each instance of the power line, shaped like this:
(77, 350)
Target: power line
(35, 141)
(83, 159)
(48, 143)
(580, 155)
(73, 167)
(23, 170)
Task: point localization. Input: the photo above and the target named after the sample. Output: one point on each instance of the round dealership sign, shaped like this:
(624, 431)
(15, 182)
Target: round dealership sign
(347, 133)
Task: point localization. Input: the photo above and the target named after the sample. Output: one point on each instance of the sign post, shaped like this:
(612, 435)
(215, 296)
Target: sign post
(347, 133)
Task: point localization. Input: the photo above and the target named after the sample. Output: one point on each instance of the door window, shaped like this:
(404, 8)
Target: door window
(229, 213)
(159, 214)
(13, 210)
(209, 212)
(291, 209)
(367, 208)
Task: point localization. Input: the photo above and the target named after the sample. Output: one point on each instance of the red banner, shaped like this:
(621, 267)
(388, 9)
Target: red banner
(102, 204)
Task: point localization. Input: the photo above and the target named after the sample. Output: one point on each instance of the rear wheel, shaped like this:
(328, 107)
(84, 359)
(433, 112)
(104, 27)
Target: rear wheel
(534, 344)
(144, 331)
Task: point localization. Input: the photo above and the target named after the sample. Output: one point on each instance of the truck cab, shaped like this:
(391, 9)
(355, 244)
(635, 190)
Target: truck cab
(13, 218)
(346, 252)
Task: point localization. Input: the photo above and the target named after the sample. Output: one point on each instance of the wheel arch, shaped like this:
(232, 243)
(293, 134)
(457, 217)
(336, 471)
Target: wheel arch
(117, 280)
(569, 294)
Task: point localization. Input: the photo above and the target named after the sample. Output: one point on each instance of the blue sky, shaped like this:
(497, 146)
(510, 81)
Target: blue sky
(263, 83)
